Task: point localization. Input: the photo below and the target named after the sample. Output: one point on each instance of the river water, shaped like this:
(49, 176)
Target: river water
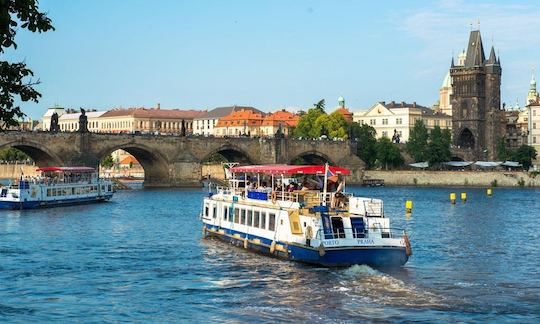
(141, 258)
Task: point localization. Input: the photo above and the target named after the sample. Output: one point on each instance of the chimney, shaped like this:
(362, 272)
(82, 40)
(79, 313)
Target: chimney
(158, 106)
(414, 104)
(393, 103)
(383, 103)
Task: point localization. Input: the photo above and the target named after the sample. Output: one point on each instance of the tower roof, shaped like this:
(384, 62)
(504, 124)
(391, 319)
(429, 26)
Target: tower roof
(492, 58)
(475, 50)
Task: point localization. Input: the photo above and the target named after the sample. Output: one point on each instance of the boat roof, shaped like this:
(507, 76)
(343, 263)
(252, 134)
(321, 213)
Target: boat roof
(289, 169)
(67, 169)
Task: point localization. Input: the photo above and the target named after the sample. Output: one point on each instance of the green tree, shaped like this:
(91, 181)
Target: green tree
(305, 127)
(524, 155)
(320, 105)
(12, 154)
(418, 140)
(108, 162)
(16, 78)
(366, 146)
(438, 148)
(388, 154)
(503, 153)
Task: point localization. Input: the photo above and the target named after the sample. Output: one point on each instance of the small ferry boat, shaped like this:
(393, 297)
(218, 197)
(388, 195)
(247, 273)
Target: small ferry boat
(265, 210)
(56, 186)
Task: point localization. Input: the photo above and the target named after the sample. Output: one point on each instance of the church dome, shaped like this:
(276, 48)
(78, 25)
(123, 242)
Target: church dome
(447, 82)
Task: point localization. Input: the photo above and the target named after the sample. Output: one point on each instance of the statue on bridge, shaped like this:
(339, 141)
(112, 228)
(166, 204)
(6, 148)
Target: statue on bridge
(83, 122)
(54, 123)
(183, 129)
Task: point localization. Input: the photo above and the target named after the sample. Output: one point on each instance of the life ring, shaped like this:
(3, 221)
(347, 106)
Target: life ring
(273, 196)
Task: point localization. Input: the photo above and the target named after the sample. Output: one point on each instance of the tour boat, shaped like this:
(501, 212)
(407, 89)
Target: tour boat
(261, 210)
(56, 186)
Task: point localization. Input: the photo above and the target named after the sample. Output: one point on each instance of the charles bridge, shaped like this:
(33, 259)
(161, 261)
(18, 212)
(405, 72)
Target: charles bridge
(174, 160)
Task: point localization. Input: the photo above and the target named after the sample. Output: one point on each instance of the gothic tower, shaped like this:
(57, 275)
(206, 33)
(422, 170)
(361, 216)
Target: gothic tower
(477, 118)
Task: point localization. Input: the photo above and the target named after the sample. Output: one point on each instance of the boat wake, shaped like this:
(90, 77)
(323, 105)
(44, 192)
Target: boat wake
(368, 285)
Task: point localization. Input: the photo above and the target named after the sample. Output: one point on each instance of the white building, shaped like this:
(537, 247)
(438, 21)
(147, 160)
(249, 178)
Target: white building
(70, 122)
(400, 118)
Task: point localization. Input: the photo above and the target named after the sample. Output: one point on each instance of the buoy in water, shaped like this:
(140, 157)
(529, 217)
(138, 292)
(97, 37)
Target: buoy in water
(453, 197)
(408, 206)
(489, 192)
(464, 196)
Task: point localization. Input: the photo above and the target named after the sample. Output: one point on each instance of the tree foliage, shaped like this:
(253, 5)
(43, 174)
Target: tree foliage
(108, 162)
(438, 147)
(16, 78)
(366, 137)
(388, 154)
(418, 142)
(12, 154)
(316, 122)
(524, 155)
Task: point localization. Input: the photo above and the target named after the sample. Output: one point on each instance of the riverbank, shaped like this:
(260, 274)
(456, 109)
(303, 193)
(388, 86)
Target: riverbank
(454, 178)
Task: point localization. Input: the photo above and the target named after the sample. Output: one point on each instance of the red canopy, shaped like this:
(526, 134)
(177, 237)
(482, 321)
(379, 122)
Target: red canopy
(288, 169)
(67, 169)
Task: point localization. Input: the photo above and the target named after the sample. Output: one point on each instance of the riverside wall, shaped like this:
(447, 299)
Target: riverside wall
(455, 178)
(14, 171)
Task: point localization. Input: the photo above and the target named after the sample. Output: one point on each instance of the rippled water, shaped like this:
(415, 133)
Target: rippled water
(141, 258)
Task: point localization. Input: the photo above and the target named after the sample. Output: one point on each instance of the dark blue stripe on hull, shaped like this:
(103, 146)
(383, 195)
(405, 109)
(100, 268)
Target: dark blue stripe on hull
(56, 203)
(333, 257)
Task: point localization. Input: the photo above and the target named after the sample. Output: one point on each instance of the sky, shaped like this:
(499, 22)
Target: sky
(267, 54)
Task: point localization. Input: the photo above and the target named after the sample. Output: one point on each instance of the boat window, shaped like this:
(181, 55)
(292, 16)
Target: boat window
(249, 218)
(109, 188)
(256, 215)
(236, 215)
(214, 212)
(271, 221)
(206, 210)
(225, 212)
(72, 191)
(243, 217)
(49, 192)
(263, 220)
(337, 227)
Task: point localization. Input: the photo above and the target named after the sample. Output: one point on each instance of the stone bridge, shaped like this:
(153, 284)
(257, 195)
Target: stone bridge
(172, 160)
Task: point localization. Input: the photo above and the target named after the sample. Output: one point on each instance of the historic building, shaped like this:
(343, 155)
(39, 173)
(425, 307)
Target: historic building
(399, 118)
(343, 110)
(243, 122)
(477, 117)
(279, 121)
(532, 112)
(204, 124)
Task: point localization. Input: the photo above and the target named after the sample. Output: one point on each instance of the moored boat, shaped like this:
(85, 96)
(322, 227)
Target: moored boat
(316, 222)
(56, 186)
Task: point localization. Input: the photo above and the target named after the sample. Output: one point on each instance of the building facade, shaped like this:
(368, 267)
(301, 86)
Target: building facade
(279, 121)
(243, 122)
(205, 124)
(477, 117)
(399, 118)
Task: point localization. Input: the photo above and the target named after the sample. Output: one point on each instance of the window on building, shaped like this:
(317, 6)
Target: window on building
(534, 125)
(373, 122)
(437, 122)
(385, 121)
(534, 139)
(385, 134)
(399, 121)
(534, 112)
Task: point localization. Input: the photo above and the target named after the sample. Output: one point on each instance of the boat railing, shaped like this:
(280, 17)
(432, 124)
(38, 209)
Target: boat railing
(342, 233)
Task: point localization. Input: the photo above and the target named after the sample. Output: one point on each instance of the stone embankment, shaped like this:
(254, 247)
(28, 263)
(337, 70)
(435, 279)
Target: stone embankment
(456, 178)
(14, 170)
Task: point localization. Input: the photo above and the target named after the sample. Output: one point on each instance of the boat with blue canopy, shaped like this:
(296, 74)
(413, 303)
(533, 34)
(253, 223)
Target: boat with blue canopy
(303, 213)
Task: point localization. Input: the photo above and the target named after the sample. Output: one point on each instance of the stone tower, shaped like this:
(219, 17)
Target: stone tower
(477, 118)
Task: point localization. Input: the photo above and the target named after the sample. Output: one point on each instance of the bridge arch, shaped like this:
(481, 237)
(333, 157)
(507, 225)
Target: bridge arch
(312, 157)
(154, 164)
(466, 139)
(39, 153)
(229, 152)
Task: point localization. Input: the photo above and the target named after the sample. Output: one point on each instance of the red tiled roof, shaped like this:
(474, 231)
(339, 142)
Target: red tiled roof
(129, 159)
(345, 113)
(282, 116)
(154, 113)
(240, 118)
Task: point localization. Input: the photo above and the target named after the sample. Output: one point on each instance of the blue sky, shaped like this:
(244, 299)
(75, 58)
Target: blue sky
(268, 54)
